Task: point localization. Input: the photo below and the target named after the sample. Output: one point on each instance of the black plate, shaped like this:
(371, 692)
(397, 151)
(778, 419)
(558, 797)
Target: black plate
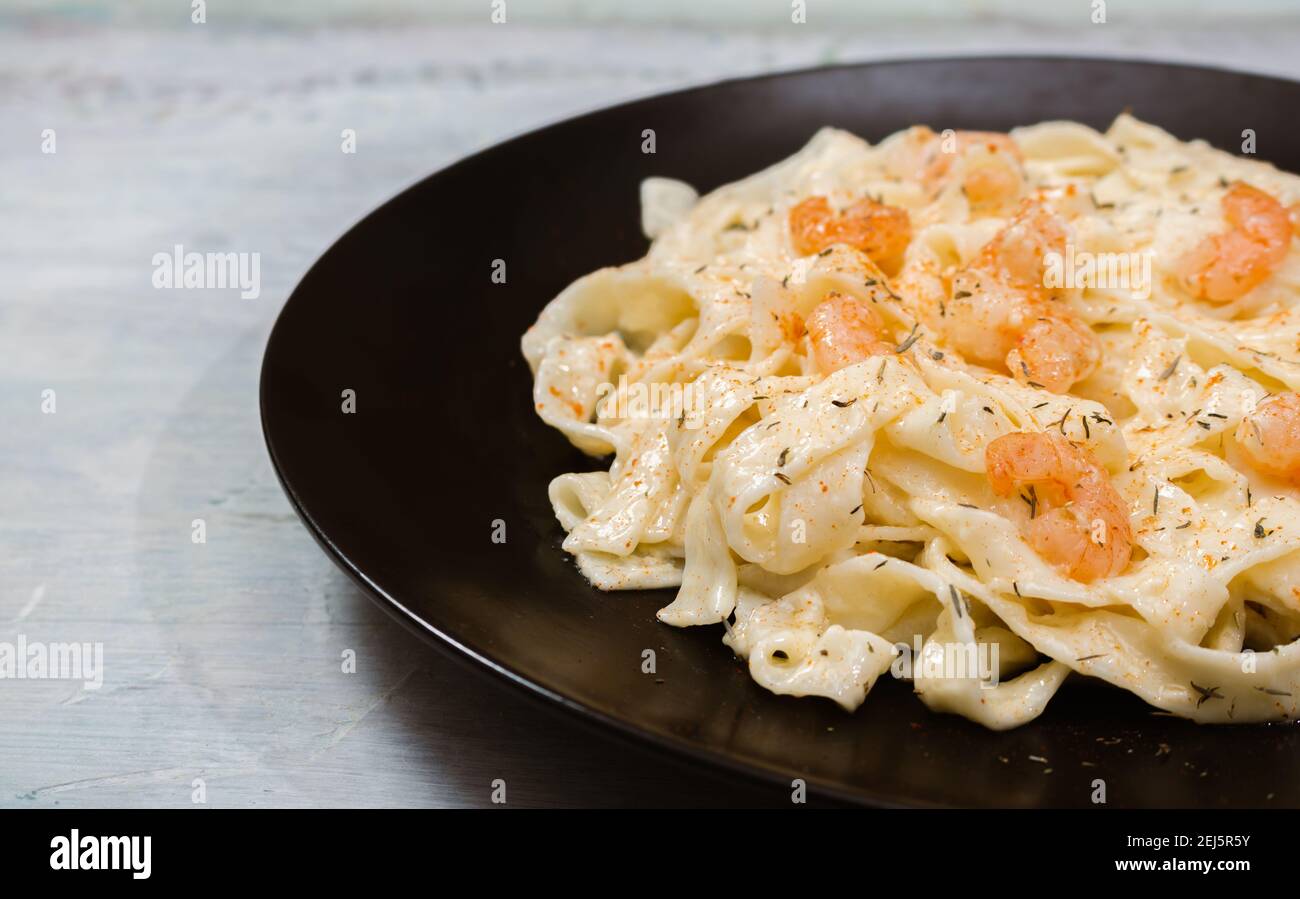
(403, 493)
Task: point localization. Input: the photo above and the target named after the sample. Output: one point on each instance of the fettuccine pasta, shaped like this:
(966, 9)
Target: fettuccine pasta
(1028, 393)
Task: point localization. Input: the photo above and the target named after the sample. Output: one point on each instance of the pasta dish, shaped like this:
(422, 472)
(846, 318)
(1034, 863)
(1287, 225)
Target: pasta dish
(978, 410)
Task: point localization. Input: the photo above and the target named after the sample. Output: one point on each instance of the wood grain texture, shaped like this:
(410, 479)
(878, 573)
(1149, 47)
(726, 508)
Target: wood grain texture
(223, 659)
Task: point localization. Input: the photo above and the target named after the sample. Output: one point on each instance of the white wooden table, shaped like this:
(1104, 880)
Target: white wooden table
(222, 659)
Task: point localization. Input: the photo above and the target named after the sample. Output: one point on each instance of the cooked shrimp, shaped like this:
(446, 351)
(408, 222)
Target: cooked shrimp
(1001, 314)
(1227, 265)
(992, 183)
(882, 232)
(1077, 520)
(1269, 437)
(844, 330)
(1055, 351)
(1015, 254)
(994, 172)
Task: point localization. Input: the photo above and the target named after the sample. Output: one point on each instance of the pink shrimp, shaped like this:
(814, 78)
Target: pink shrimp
(844, 330)
(994, 173)
(1229, 264)
(1055, 351)
(1269, 437)
(1000, 313)
(882, 232)
(1076, 519)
